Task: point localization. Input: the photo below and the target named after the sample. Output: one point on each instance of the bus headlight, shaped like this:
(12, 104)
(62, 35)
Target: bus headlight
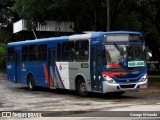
(143, 78)
(109, 79)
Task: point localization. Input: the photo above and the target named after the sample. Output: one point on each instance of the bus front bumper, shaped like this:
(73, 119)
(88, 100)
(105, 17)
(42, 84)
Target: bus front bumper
(108, 87)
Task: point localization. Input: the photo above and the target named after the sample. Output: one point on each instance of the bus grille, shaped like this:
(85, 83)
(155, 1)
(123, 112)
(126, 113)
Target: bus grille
(128, 86)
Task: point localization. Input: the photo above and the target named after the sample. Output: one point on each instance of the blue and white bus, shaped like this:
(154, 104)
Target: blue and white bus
(101, 62)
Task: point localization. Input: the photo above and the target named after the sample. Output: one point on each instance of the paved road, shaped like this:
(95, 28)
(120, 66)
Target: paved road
(16, 97)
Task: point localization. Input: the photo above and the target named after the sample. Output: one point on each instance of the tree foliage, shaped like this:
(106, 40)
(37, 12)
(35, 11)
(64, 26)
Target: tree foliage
(91, 15)
(150, 11)
(2, 56)
(33, 11)
(88, 15)
(6, 14)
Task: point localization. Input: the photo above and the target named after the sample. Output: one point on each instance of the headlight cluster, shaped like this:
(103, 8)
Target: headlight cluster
(143, 78)
(109, 79)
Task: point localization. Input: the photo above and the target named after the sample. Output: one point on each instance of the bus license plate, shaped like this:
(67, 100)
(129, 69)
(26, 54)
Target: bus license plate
(144, 86)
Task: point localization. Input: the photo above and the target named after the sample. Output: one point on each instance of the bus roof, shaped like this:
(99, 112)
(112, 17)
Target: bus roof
(39, 41)
(69, 38)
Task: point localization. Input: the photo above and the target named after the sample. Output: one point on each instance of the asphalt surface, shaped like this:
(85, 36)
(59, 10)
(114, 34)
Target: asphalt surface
(17, 97)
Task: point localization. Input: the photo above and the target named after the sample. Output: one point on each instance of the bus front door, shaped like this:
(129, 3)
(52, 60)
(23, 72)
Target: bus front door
(51, 67)
(95, 69)
(18, 68)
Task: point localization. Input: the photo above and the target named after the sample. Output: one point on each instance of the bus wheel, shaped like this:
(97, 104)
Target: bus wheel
(30, 82)
(81, 88)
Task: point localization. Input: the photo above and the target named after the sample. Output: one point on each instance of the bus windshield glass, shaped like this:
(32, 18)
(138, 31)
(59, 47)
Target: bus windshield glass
(124, 57)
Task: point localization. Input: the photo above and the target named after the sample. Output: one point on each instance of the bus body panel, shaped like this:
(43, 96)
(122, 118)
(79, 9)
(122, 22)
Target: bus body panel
(79, 69)
(11, 72)
(68, 71)
(36, 69)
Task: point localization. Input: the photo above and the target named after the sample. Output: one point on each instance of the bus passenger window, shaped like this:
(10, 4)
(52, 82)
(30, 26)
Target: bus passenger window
(11, 54)
(24, 53)
(71, 54)
(33, 53)
(82, 51)
(59, 53)
(42, 54)
(67, 51)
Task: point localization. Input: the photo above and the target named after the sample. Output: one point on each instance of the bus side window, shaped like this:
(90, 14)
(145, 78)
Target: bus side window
(10, 57)
(71, 52)
(59, 53)
(66, 51)
(33, 53)
(24, 53)
(82, 51)
(42, 53)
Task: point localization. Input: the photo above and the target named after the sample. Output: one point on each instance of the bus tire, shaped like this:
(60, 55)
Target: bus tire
(30, 82)
(81, 88)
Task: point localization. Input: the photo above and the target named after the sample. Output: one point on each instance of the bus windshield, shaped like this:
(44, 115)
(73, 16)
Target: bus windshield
(124, 57)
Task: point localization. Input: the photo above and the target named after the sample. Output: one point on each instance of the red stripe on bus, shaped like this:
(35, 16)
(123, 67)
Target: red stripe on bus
(47, 75)
(111, 74)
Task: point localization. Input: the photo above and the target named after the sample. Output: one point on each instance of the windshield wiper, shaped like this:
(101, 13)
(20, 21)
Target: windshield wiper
(120, 50)
(122, 53)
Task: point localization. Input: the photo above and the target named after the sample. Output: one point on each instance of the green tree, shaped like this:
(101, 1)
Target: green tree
(84, 13)
(150, 11)
(2, 56)
(33, 11)
(7, 17)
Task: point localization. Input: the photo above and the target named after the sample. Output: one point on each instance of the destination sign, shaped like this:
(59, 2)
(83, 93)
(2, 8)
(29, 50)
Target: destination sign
(123, 38)
(136, 64)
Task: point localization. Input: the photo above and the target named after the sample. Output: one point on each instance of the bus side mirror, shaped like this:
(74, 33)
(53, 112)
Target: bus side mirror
(148, 53)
